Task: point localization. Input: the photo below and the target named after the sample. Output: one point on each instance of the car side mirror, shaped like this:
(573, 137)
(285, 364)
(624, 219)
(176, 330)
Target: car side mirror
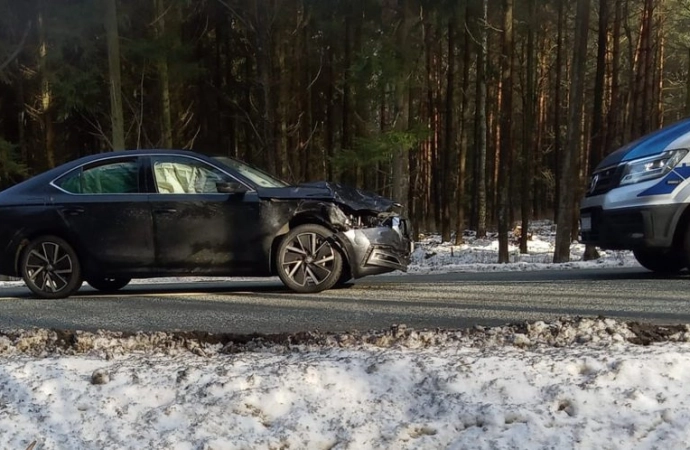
(231, 187)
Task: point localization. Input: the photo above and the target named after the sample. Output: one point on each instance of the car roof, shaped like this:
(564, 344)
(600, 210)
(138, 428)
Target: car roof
(140, 152)
(45, 177)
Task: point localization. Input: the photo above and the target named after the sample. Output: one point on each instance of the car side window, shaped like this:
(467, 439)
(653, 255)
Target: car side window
(117, 177)
(180, 175)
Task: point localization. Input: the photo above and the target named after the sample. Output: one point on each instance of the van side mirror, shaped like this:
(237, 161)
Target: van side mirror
(231, 187)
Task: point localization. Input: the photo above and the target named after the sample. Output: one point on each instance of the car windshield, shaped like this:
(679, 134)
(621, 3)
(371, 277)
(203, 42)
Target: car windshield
(257, 176)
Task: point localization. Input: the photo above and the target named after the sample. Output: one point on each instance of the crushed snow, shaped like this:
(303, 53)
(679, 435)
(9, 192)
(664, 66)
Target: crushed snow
(567, 384)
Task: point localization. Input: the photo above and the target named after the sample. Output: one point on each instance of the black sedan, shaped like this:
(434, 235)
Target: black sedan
(108, 218)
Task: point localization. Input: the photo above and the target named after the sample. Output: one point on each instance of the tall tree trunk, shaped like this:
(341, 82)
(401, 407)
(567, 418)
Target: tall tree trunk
(481, 121)
(613, 119)
(506, 140)
(569, 177)
(598, 131)
(46, 91)
(658, 66)
(346, 134)
(450, 180)
(330, 120)
(529, 130)
(263, 50)
(116, 116)
(462, 150)
(163, 78)
(557, 144)
(400, 173)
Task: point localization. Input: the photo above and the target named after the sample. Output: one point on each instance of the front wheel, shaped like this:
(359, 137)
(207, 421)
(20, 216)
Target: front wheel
(661, 261)
(50, 267)
(308, 259)
(105, 284)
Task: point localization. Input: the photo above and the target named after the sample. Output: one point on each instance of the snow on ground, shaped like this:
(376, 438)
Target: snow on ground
(585, 383)
(481, 255)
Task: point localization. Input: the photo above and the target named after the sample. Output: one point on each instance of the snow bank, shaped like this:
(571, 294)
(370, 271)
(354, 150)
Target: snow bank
(580, 383)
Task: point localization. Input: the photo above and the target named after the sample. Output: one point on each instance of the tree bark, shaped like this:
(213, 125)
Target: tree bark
(506, 140)
(481, 121)
(528, 132)
(163, 79)
(116, 116)
(557, 144)
(449, 155)
(462, 150)
(46, 109)
(569, 177)
(400, 173)
(597, 138)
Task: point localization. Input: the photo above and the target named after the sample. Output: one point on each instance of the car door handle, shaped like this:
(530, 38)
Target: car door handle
(166, 211)
(73, 211)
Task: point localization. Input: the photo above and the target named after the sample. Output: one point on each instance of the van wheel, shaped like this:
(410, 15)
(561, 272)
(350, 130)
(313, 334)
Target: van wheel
(661, 261)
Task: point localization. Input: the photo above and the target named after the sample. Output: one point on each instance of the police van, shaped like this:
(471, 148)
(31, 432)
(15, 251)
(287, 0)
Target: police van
(638, 199)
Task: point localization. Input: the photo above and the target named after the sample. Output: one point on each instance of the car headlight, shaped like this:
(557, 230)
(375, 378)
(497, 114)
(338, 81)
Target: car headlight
(651, 168)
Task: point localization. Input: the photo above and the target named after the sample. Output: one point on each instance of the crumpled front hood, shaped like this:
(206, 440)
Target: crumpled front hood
(672, 137)
(354, 199)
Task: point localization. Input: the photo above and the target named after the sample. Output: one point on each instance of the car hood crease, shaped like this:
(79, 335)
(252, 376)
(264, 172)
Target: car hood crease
(355, 199)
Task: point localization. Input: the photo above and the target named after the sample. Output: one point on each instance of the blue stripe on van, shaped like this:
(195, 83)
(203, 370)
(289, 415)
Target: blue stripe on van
(669, 183)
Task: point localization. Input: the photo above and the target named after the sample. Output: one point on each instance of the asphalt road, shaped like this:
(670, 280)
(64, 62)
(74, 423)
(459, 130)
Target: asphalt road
(424, 301)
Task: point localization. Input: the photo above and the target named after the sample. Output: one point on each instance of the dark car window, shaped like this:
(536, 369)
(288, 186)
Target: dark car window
(257, 176)
(120, 177)
(180, 175)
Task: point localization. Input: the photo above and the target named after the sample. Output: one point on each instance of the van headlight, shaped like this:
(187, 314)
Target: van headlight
(651, 168)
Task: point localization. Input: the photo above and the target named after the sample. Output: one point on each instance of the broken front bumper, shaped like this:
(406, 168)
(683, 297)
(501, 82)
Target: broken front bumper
(380, 249)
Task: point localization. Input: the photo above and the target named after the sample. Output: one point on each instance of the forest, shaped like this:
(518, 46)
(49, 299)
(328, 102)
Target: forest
(475, 114)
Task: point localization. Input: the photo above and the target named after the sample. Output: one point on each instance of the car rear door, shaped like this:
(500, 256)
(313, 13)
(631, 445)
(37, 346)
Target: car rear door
(104, 209)
(197, 228)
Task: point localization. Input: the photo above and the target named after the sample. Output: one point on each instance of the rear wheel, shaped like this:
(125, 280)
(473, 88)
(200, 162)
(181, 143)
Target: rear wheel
(106, 284)
(661, 261)
(50, 267)
(308, 259)
(345, 277)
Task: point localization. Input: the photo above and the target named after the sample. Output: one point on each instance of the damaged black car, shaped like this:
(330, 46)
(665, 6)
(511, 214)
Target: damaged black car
(108, 218)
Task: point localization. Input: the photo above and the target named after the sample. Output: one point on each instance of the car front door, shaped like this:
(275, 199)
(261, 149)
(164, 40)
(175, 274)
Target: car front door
(196, 227)
(104, 209)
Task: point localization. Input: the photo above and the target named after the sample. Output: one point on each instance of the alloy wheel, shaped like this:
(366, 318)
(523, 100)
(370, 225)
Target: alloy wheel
(309, 260)
(50, 268)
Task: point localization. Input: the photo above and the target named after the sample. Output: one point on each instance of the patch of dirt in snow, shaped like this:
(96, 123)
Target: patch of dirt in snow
(567, 332)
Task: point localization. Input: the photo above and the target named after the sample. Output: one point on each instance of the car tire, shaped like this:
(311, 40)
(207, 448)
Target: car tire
(308, 259)
(345, 277)
(50, 268)
(661, 261)
(105, 284)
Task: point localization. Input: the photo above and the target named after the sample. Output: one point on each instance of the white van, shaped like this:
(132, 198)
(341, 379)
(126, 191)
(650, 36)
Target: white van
(638, 199)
